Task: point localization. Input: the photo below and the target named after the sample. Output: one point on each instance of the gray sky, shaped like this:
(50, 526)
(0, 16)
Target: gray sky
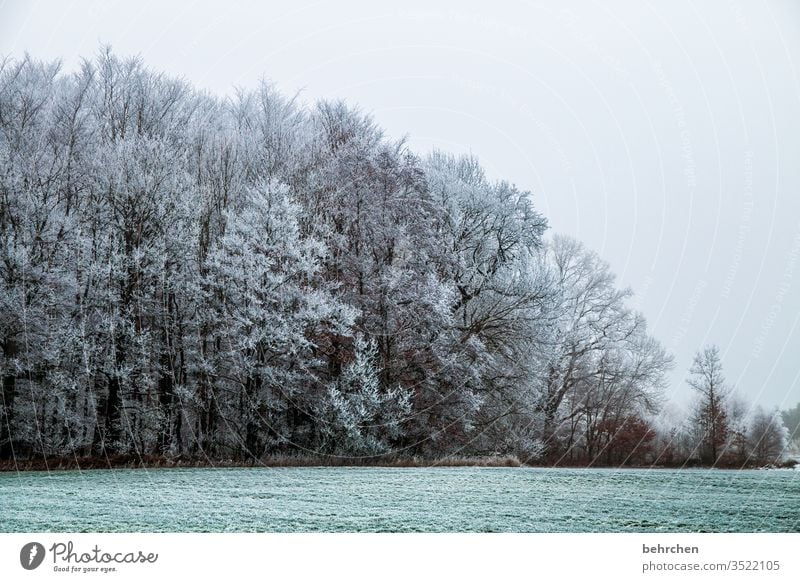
(665, 135)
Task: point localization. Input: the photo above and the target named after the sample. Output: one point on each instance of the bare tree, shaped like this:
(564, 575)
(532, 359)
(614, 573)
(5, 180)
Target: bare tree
(597, 346)
(710, 418)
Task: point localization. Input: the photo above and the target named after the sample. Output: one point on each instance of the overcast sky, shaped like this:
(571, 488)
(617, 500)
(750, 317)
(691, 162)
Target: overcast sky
(665, 135)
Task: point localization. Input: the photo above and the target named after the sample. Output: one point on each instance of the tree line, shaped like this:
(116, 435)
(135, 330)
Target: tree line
(184, 276)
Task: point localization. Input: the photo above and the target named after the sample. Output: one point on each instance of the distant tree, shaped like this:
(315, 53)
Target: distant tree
(737, 448)
(625, 386)
(627, 441)
(767, 436)
(791, 420)
(710, 418)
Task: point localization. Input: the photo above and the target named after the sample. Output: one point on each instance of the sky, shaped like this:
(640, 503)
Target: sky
(664, 135)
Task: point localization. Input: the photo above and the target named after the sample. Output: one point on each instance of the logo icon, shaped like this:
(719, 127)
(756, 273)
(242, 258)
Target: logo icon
(31, 555)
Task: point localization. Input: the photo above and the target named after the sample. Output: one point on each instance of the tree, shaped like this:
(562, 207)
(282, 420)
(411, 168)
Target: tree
(767, 436)
(357, 417)
(626, 441)
(737, 447)
(597, 347)
(791, 419)
(627, 385)
(710, 417)
(488, 252)
(37, 196)
(272, 305)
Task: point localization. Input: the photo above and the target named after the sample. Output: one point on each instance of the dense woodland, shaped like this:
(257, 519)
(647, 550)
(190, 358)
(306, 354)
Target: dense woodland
(189, 277)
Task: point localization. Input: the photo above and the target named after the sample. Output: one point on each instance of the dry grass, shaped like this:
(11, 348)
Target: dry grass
(153, 462)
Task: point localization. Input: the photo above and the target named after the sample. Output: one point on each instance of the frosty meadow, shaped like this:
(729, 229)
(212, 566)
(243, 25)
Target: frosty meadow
(370, 499)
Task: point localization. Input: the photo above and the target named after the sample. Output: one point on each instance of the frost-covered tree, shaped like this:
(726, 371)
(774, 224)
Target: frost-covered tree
(791, 419)
(767, 437)
(489, 242)
(598, 358)
(272, 306)
(355, 415)
(39, 139)
(710, 417)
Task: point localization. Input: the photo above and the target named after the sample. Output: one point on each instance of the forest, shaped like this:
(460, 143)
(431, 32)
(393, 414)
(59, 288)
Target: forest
(185, 277)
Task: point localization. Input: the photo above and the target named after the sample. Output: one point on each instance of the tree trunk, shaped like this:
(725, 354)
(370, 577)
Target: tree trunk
(7, 416)
(166, 401)
(112, 416)
(7, 404)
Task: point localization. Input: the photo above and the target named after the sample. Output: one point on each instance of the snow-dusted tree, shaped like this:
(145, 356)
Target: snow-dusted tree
(356, 416)
(737, 448)
(488, 240)
(272, 306)
(767, 437)
(135, 214)
(366, 198)
(597, 346)
(710, 417)
(791, 419)
(36, 200)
